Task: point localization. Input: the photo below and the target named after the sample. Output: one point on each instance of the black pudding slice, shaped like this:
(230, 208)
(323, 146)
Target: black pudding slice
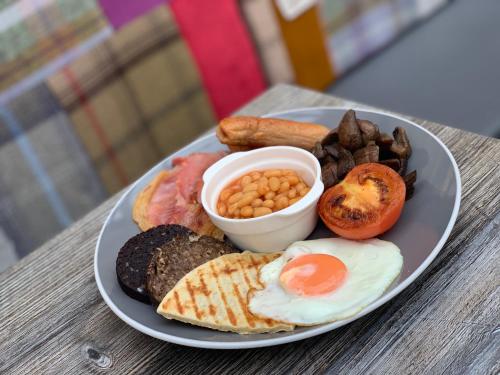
(134, 257)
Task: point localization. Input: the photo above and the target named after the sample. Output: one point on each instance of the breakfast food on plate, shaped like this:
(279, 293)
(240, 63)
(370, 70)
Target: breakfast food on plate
(150, 263)
(183, 251)
(260, 193)
(325, 280)
(133, 259)
(214, 295)
(356, 142)
(173, 196)
(195, 278)
(368, 202)
(246, 132)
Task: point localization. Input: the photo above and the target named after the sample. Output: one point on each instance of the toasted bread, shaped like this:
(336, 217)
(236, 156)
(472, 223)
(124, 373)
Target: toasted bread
(214, 295)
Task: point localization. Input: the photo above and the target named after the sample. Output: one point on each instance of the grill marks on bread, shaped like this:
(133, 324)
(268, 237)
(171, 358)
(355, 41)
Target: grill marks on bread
(229, 312)
(214, 295)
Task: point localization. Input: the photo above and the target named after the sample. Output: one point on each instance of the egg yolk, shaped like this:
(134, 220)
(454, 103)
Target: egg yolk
(313, 274)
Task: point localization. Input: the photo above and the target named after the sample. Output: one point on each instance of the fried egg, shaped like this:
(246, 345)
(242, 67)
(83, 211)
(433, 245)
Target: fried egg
(325, 280)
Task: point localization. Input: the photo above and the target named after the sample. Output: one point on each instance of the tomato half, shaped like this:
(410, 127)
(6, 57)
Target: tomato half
(368, 202)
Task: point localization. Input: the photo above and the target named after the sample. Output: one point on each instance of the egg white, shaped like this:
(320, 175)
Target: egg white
(372, 265)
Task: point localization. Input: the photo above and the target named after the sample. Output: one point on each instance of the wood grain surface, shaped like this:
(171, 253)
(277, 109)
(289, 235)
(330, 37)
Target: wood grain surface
(53, 320)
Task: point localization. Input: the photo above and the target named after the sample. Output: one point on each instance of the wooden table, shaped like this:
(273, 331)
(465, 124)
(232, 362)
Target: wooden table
(53, 320)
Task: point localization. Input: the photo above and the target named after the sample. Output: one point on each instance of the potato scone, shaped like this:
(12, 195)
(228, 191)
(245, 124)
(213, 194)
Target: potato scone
(214, 295)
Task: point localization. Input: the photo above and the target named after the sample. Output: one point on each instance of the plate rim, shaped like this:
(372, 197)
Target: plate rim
(312, 331)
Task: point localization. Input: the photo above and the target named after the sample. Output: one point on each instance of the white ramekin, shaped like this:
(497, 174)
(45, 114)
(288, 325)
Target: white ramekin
(273, 232)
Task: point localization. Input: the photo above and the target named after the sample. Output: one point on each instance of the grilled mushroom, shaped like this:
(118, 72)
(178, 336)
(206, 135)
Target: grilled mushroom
(328, 159)
(332, 150)
(329, 174)
(356, 142)
(402, 168)
(349, 133)
(391, 163)
(367, 154)
(410, 180)
(401, 145)
(398, 150)
(369, 131)
(318, 151)
(384, 140)
(345, 162)
(331, 137)
(409, 192)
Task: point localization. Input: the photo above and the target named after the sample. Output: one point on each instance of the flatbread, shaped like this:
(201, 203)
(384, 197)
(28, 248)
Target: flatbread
(214, 295)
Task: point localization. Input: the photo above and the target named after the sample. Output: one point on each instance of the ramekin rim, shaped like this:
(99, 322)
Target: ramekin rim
(283, 213)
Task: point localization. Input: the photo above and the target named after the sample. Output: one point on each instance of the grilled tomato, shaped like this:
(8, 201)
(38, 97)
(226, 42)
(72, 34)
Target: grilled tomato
(366, 203)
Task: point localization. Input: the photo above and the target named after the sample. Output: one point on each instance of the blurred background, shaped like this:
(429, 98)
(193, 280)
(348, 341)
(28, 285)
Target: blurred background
(94, 92)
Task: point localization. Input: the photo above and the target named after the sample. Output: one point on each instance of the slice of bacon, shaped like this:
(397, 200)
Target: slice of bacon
(176, 198)
(190, 182)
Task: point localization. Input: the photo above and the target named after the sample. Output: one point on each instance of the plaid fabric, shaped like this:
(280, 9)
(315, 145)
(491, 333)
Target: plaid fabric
(47, 180)
(42, 34)
(221, 46)
(263, 24)
(121, 12)
(134, 98)
(357, 28)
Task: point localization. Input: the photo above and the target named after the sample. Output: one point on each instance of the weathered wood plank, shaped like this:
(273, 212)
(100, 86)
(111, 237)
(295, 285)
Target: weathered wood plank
(53, 320)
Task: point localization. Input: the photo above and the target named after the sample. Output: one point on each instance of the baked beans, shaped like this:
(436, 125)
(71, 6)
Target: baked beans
(260, 193)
